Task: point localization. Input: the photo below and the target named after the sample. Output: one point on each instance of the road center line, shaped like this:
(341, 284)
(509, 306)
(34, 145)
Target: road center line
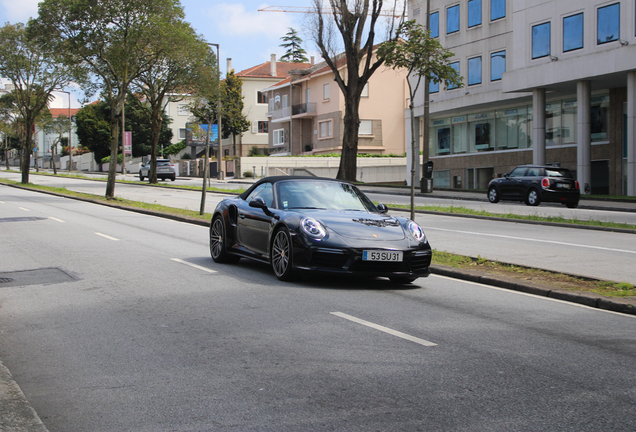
(193, 265)
(56, 219)
(535, 240)
(25, 209)
(107, 236)
(384, 329)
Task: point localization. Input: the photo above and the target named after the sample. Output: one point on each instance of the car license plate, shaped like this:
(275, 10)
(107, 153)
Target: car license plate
(163, 169)
(563, 186)
(382, 256)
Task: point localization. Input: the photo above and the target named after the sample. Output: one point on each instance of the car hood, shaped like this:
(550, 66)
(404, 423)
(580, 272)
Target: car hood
(362, 226)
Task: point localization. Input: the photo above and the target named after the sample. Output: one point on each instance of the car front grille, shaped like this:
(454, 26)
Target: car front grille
(329, 258)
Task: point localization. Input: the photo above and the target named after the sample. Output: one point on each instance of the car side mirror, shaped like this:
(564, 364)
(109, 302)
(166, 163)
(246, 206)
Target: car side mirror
(507, 175)
(382, 208)
(258, 202)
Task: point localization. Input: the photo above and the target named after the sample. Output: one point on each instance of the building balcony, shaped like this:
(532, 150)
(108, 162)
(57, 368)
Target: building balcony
(307, 109)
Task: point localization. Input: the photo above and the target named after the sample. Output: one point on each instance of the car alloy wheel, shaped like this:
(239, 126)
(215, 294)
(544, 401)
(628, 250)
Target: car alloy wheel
(218, 240)
(281, 255)
(493, 196)
(533, 198)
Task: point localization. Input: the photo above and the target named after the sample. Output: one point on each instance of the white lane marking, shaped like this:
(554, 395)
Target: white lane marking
(535, 240)
(107, 236)
(537, 296)
(56, 219)
(384, 329)
(25, 209)
(2, 202)
(193, 265)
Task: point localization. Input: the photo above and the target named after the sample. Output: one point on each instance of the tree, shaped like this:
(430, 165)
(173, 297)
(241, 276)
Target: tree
(35, 74)
(424, 58)
(295, 53)
(352, 20)
(109, 39)
(235, 122)
(139, 122)
(180, 55)
(8, 124)
(93, 129)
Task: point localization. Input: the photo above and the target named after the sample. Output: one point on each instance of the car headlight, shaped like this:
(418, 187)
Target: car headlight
(313, 228)
(416, 231)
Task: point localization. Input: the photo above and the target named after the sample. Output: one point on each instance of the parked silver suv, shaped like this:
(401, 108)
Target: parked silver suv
(165, 170)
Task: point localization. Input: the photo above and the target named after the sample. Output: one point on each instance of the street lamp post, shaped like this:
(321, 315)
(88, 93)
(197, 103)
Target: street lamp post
(70, 132)
(207, 141)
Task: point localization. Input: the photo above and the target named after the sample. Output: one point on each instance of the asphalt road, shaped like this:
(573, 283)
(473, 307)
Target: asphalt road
(594, 254)
(129, 325)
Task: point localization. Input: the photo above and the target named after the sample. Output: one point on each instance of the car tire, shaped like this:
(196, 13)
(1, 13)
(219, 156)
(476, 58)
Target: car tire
(281, 255)
(403, 280)
(533, 198)
(173, 178)
(141, 177)
(218, 240)
(493, 195)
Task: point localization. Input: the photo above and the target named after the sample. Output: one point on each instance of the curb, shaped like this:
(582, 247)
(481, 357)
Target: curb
(16, 414)
(583, 298)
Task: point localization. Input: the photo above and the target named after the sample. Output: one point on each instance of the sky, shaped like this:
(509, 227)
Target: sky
(244, 34)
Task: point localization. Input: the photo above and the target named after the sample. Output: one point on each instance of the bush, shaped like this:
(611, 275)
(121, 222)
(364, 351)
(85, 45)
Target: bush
(107, 159)
(248, 174)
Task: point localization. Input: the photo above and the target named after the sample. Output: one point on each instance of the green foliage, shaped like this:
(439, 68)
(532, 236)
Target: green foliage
(248, 174)
(234, 121)
(295, 52)
(175, 148)
(139, 121)
(107, 159)
(93, 129)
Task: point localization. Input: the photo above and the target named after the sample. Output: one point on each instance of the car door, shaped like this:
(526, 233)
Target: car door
(511, 186)
(252, 228)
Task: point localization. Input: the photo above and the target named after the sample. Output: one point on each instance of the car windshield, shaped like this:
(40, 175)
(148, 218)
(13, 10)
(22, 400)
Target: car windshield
(551, 172)
(320, 194)
(163, 163)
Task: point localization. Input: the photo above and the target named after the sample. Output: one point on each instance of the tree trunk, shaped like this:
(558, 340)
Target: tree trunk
(25, 160)
(114, 143)
(348, 160)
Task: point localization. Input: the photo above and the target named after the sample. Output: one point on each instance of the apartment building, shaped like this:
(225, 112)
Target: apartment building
(255, 98)
(306, 112)
(544, 82)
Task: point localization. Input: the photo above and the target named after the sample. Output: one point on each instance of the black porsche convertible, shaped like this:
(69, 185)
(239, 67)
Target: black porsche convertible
(317, 224)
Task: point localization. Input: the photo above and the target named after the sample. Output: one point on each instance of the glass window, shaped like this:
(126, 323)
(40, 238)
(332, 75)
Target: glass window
(497, 9)
(480, 128)
(325, 92)
(474, 13)
(608, 25)
(326, 129)
(600, 118)
(511, 130)
(497, 65)
(439, 137)
(261, 97)
(433, 87)
(455, 66)
(365, 91)
(443, 140)
(573, 32)
(541, 40)
(264, 191)
(474, 71)
(182, 133)
(278, 137)
(568, 120)
(452, 19)
(434, 23)
(262, 127)
(553, 124)
(459, 135)
(366, 127)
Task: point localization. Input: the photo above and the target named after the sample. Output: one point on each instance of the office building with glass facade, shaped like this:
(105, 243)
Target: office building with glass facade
(544, 82)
